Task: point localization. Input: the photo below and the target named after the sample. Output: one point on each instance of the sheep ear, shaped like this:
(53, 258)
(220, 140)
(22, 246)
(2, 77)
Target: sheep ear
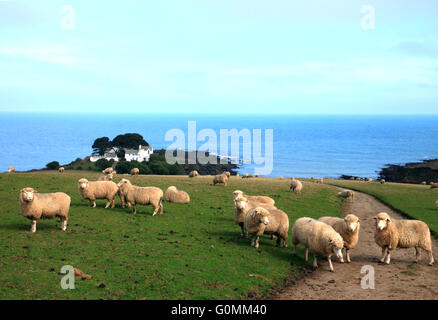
(388, 220)
(331, 241)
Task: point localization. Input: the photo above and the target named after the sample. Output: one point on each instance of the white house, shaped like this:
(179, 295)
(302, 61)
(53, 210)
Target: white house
(142, 154)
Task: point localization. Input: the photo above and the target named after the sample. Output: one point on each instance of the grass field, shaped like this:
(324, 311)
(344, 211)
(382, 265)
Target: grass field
(193, 251)
(413, 200)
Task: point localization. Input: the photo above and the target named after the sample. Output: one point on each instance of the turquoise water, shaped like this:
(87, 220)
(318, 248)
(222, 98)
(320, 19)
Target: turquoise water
(304, 146)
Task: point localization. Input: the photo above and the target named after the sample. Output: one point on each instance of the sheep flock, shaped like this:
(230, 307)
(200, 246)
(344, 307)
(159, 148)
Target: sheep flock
(255, 215)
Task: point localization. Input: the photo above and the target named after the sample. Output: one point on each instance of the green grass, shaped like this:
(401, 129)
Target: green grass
(413, 200)
(193, 251)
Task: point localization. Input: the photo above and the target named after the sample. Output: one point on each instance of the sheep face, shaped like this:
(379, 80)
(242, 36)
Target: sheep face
(27, 194)
(262, 215)
(237, 193)
(337, 251)
(352, 222)
(241, 202)
(382, 220)
(83, 184)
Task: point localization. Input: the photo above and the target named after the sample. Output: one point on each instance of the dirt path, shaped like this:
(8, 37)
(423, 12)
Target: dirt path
(402, 279)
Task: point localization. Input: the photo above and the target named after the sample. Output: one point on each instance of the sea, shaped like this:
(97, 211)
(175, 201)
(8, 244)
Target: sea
(302, 145)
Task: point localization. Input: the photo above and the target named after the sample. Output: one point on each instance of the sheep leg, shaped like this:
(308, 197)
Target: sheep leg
(161, 207)
(107, 204)
(134, 209)
(431, 261)
(278, 241)
(417, 254)
(347, 252)
(315, 262)
(306, 254)
(33, 226)
(383, 254)
(242, 231)
(94, 203)
(63, 224)
(257, 242)
(330, 264)
(253, 240)
(388, 257)
(113, 203)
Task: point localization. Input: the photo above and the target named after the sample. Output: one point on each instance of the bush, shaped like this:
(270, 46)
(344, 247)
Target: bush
(102, 164)
(52, 165)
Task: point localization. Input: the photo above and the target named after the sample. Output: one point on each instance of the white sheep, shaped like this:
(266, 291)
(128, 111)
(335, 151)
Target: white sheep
(35, 206)
(108, 177)
(61, 169)
(348, 228)
(220, 178)
(241, 207)
(436, 204)
(319, 238)
(174, 195)
(135, 172)
(193, 174)
(107, 170)
(141, 195)
(261, 199)
(346, 194)
(319, 181)
(11, 169)
(391, 234)
(382, 181)
(260, 220)
(296, 186)
(93, 190)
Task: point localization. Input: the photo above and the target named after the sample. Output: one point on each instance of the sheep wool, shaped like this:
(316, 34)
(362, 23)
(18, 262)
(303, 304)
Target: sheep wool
(382, 181)
(141, 195)
(174, 195)
(108, 170)
(436, 204)
(348, 228)
(61, 169)
(391, 234)
(260, 221)
(11, 169)
(241, 207)
(319, 238)
(220, 178)
(93, 190)
(346, 194)
(108, 177)
(135, 172)
(193, 174)
(296, 186)
(35, 206)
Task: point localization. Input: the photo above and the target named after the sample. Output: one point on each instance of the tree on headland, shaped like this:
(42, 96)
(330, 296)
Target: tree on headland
(100, 145)
(52, 165)
(129, 141)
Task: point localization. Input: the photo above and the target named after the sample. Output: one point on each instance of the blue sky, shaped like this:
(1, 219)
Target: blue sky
(227, 56)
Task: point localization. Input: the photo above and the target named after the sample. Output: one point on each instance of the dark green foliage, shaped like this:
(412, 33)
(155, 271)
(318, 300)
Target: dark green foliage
(410, 173)
(100, 145)
(102, 164)
(129, 140)
(52, 165)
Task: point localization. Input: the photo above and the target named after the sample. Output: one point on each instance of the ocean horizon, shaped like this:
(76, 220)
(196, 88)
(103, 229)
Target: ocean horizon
(303, 145)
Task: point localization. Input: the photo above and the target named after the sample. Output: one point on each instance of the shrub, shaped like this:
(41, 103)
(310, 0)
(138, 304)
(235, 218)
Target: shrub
(52, 165)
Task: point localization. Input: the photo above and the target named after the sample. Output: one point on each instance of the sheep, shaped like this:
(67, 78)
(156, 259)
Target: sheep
(319, 181)
(391, 234)
(174, 195)
(93, 190)
(261, 199)
(11, 169)
(237, 175)
(35, 206)
(141, 195)
(436, 204)
(227, 173)
(348, 228)
(280, 178)
(382, 181)
(296, 186)
(193, 174)
(244, 176)
(107, 177)
(220, 178)
(346, 194)
(135, 172)
(61, 169)
(107, 170)
(260, 220)
(257, 176)
(250, 175)
(319, 238)
(424, 183)
(433, 185)
(241, 207)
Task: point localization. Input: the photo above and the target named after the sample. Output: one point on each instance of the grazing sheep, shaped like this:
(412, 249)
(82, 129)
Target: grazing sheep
(245, 175)
(237, 175)
(369, 179)
(319, 181)
(220, 178)
(227, 173)
(11, 169)
(347, 194)
(250, 175)
(436, 204)
(424, 183)
(296, 186)
(61, 169)
(135, 172)
(107, 170)
(382, 181)
(193, 174)
(433, 185)
(261, 199)
(141, 195)
(241, 207)
(319, 238)
(93, 190)
(348, 228)
(391, 234)
(174, 195)
(270, 221)
(280, 178)
(108, 177)
(35, 206)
